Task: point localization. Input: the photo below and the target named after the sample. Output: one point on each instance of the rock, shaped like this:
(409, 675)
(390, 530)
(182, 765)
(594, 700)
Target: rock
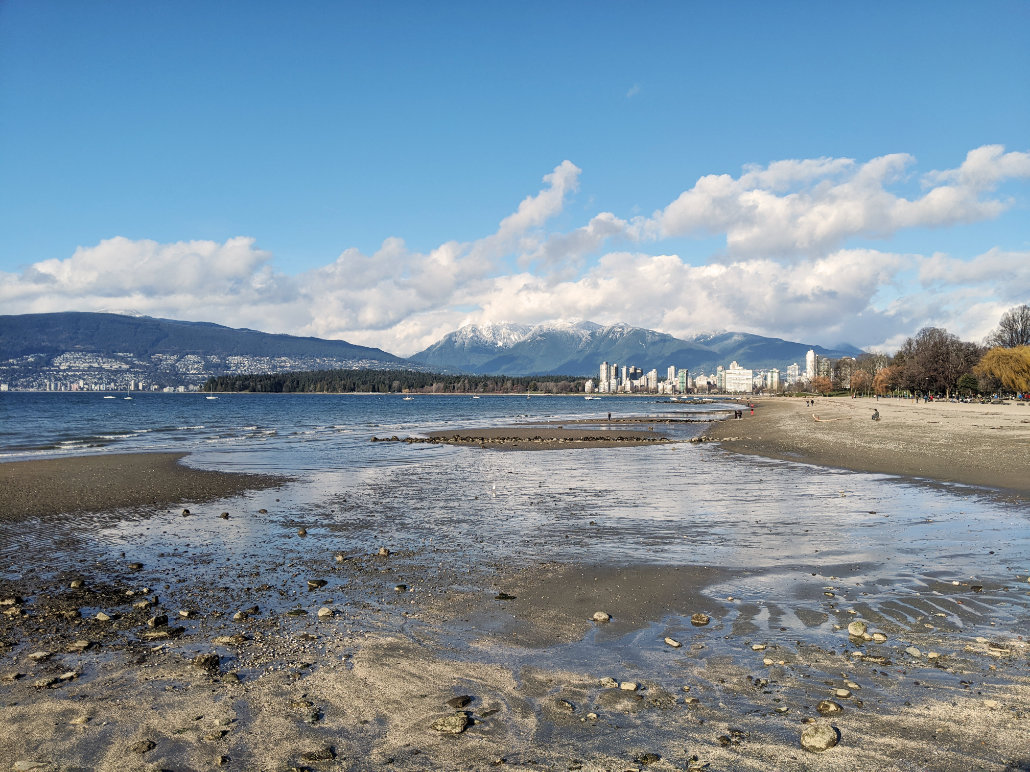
(340, 557)
(77, 584)
(224, 515)
(296, 612)
(565, 706)
(700, 620)
(817, 738)
(400, 588)
(135, 566)
(102, 617)
(40, 656)
(143, 746)
(328, 753)
(673, 642)
(629, 686)
(302, 531)
(262, 511)
(209, 662)
(826, 707)
(758, 647)
(857, 629)
(459, 702)
(384, 553)
(879, 638)
(912, 651)
(609, 683)
(644, 759)
(12, 600)
(325, 612)
(503, 596)
(160, 620)
(185, 614)
(601, 616)
(28, 766)
(316, 584)
(842, 693)
(185, 513)
(231, 678)
(77, 646)
(453, 724)
(230, 640)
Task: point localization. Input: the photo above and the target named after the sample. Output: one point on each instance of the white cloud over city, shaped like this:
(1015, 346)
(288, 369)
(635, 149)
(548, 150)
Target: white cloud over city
(795, 261)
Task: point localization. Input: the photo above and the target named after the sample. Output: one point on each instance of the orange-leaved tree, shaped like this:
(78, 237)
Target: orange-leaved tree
(1011, 366)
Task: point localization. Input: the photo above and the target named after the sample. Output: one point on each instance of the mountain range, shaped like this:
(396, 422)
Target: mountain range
(578, 348)
(105, 350)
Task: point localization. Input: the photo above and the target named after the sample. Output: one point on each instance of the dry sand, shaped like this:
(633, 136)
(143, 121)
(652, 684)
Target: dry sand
(99, 483)
(981, 445)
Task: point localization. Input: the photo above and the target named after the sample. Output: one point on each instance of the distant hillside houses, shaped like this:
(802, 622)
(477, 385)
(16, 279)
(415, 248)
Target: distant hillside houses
(627, 379)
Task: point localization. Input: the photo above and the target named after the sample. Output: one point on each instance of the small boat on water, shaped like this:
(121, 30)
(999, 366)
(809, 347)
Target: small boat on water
(408, 399)
(210, 397)
(110, 396)
(475, 396)
(591, 397)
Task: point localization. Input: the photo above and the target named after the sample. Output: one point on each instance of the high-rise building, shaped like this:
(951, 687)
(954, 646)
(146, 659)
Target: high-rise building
(772, 380)
(737, 379)
(670, 377)
(793, 374)
(811, 363)
(684, 381)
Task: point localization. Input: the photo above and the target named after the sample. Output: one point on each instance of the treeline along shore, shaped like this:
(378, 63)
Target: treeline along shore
(392, 381)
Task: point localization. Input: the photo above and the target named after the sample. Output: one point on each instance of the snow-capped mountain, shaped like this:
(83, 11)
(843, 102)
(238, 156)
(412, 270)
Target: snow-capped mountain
(573, 347)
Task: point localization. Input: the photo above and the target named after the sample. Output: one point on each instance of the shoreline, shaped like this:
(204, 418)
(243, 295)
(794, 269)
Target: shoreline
(54, 486)
(940, 441)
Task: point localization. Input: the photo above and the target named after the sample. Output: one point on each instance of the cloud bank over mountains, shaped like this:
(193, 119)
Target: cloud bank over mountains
(796, 262)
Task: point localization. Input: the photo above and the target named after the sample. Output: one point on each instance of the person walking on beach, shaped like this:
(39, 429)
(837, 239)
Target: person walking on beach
(609, 418)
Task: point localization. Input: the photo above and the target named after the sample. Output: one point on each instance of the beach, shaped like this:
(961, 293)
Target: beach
(974, 444)
(58, 486)
(473, 610)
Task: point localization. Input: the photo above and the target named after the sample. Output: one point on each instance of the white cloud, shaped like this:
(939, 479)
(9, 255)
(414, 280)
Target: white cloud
(787, 269)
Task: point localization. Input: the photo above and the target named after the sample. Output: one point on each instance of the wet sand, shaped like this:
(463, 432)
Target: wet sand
(981, 445)
(54, 486)
(408, 630)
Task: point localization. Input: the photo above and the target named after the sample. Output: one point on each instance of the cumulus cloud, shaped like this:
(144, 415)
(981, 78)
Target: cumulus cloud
(787, 268)
(808, 207)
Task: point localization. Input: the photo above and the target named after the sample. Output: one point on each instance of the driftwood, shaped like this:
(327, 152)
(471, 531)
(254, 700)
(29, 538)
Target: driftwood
(827, 420)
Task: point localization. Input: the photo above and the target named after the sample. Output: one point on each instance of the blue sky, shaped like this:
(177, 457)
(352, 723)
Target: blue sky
(246, 163)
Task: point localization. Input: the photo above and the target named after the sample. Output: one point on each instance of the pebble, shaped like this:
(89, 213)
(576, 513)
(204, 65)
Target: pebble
(827, 707)
(102, 617)
(842, 693)
(879, 638)
(700, 620)
(315, 584)
(913, 651)
(601, 616)
(453, 724)
(629, 686)
(767, 662)
(143, 746)
(224, 515)
(324, 612)
(209, 662)
(302, 531)
(384, 552)
(77, 584)
(609, 683)
(816, 738)
(460, 701)
(400, 588)
(857, 629)
(758, 647)
(185, 614)
(673, 642)
(160, 620)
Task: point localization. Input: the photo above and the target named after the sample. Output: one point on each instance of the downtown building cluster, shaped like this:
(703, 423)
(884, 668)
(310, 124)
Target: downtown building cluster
(627, 379)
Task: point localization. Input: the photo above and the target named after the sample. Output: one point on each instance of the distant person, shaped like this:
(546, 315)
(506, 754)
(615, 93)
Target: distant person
(609, 418)
(876, 415)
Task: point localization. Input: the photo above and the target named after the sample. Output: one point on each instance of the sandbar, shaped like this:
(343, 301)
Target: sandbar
(52, 486)
(974, 444)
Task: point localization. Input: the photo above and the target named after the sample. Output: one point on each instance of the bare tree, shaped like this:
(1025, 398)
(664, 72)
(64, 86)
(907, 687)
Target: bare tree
(1013, 329)
(934, 359)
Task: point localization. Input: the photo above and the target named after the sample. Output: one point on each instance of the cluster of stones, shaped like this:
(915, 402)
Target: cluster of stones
(470, 440)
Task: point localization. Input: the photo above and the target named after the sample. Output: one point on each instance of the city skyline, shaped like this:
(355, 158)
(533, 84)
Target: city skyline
(386, 174)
